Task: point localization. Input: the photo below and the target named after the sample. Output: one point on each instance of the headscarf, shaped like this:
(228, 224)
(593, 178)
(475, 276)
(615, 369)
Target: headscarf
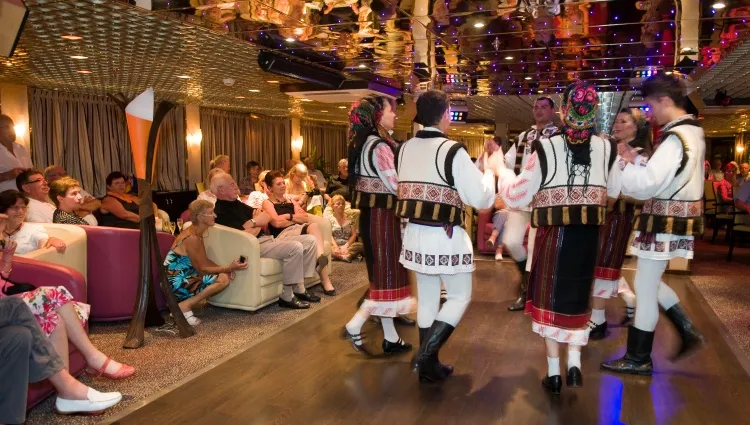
(580, 102)
(364, 117)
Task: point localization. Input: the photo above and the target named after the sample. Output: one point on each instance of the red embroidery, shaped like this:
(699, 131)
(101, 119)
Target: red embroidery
(673, 208)
(430, 192)
(531, 162)
(561, 196)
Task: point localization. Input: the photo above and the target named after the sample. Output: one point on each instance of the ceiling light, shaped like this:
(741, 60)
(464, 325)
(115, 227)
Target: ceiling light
(719, 5)
(84, 71)
(290, 40)
(527, 78)
(342, 107)
(79, 57)
(509, 58)
(479, 25)
(254, 91)
(272, 82)
(668, 73)
(540, 91)
(184, 77)
(71, 37)
(323, 111)
(239, 97)
(306, 100)
(362, 66)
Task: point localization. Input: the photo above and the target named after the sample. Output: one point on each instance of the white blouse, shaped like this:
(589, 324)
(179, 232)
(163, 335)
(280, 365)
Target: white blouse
(29, 238)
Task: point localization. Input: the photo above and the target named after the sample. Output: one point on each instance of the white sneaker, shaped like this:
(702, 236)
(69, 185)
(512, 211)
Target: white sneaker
(499, 256)
(95, 404)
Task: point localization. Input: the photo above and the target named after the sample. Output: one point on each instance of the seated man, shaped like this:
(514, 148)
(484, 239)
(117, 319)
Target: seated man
(338, 184)
(27, 355)
(32, 183)
(298, 253)
(90, 204)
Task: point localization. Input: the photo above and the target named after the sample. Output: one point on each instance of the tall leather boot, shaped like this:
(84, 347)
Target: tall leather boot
(520, 302)
(637, 359)
(430, 368)
(691, 338)
(446, 368)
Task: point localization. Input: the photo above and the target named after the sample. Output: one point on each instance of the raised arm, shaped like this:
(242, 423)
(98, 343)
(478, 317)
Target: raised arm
(518, 190)
(474, 187)
(644, 180)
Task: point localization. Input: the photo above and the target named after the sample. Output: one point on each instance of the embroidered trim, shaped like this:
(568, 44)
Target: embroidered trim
(673, 208)
(567, 196)
(429, 192)
(682, 244)
(567, 336)
(371, 185)
(438, 260)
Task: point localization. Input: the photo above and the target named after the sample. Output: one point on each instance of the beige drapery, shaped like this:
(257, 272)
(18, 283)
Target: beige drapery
(263, 139)
(87, 135)
(327, 141)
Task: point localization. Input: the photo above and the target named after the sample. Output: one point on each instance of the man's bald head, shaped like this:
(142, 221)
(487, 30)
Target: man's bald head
(224, 187)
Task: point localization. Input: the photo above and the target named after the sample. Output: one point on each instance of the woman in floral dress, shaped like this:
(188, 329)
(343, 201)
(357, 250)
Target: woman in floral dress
(61, 319)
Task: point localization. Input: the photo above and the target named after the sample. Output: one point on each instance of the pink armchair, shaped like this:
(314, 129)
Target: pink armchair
(484, 230)
(113, 271)
(47, 274)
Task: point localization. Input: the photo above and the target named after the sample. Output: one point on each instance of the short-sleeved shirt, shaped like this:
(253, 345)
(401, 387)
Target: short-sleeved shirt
(29, 238)
(20, 158)
(40, 212)
(232, 214)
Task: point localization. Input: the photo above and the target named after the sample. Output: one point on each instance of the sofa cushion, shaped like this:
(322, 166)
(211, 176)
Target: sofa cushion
(270, 267)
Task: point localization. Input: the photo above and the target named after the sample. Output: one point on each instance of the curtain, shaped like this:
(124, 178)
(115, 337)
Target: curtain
(474, 144)
(87, 135)
(326, 141)
(244, 138)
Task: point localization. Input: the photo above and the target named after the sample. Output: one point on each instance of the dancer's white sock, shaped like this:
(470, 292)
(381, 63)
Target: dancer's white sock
(627, 295)
(389, 330)
(574, 358)
(354, 326)
(553, 366)
(597, 316)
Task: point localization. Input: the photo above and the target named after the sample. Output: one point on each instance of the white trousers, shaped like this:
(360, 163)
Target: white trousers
(650, 292)
(458, 294)
(513, 233)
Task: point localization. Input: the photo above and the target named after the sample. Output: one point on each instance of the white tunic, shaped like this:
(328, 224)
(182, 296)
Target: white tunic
(529, 136)
(438, 253)
(19, 158)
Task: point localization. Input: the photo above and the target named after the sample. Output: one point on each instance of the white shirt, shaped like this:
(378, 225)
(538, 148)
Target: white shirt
(20, 158)
(207, 195)
(29, 238)
(40, 212)
(321, 180)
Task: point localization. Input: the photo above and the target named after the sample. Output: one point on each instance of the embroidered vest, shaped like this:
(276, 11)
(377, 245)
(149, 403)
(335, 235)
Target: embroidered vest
(678, 209)
(425, 180)
(527, 138)
(369, 191)
(558, 203)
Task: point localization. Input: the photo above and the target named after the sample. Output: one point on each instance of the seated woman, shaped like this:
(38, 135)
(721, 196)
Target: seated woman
(303, 190)
(65, 192)
(28, 236)
(255, 199)
(207, 195)
(344, 245)
(119, 209)
(289, 219)
(60, 318)
(498, 222)
(193, 276)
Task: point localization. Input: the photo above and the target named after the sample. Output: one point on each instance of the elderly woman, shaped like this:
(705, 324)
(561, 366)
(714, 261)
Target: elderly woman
(344, 243)
(207, 195)
(60, 318)
(220, 161)
(119, 209)
(192, 275)
(303, 189)
(288, 218)
(65, 192)
(28, 236)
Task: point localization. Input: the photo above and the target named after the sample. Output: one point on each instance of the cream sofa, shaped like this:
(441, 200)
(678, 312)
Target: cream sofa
(75, 253)
(260, 284)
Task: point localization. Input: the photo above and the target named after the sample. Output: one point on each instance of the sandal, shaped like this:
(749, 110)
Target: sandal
(125, 371)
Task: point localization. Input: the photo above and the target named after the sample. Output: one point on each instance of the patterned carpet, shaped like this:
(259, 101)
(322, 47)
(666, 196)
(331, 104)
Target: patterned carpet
(164, 360)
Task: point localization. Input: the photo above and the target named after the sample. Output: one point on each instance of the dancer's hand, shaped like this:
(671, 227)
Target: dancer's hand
(627, 152)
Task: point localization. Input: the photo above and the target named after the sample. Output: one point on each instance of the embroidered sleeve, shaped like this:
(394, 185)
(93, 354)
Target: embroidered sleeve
(385, 167)
(474, 187)
(510, 156)
(643, 183)
(518, 191)
(614, 181)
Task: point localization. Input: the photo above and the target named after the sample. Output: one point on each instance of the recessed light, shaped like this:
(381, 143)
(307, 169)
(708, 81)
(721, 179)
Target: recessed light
(719, 5)
(323, 111)
(254, 91)
(509, 58)
(184, 77)
(668, 73)
(239, 97)
(362, 66)
(290, 40)
(342, 107)
(407, 83)
(71, 37)
(272, 82)
(306, 100)
(540, 91)
(79, 57)
(479, 25)
(527, 78)
(84, 71)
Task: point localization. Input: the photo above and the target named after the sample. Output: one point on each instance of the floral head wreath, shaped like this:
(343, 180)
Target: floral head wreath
(580, 102)
(364, 115)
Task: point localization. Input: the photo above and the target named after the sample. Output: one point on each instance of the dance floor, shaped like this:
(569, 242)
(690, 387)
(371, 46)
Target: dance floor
(305, 374)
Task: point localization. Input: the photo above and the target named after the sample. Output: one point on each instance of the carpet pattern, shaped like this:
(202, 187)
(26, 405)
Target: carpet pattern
(165, 360)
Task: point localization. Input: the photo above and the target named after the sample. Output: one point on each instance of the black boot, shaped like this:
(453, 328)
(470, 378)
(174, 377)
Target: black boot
(520, 303)
(691, 338)
(427, 362)
(597, 332)
(637, 359)
(446, 368)
(553, 384)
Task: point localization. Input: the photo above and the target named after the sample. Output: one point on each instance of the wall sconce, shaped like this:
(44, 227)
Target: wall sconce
(297, 144)
(740, 148)
(194, 138)
(20, 130)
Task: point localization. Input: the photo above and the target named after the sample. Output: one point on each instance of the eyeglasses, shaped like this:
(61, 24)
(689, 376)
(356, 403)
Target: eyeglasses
(18, 208)
(37, 181)
(209, 215)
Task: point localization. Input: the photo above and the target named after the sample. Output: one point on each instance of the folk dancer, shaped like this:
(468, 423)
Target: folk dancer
(373, 192)
(567, 181)
(672, 185)
(436, 178)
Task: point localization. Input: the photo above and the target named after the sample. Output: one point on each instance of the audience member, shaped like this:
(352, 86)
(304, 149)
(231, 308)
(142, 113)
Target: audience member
(14, 158)
(723, 189)
(28, 236)
(298, 254)
(29, 356)
(744, 171)
(251, 182)
(65, 192)
(289, 165)
(207, 195)
(193, 276)
(316, 175)
(498, 222)
(338, 184)
(220, 161)
(344, 245)
(290, 221)
(33, 184)
(255, 199)
(119, 209)
(61, 318)
(715, 174)
(730, 173)
(89, 205)
(299, 185)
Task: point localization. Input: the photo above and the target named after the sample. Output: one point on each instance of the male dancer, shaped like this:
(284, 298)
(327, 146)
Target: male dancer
(519, 218)
(672, 184)
(435, 178)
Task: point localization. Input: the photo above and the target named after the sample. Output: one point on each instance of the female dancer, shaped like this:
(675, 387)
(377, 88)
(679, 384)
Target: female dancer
(373, 182)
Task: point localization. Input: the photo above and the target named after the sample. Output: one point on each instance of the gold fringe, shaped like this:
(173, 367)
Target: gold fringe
(418, 210)
(584, 216)
(453, 215)
(689, 227)
(566, 215)
(371, 201)
(650, 224)
(389, 203)
(669, 225)
(549, 215)
(435, 211)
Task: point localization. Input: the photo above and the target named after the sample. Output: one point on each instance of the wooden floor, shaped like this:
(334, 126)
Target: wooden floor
(307, 375)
